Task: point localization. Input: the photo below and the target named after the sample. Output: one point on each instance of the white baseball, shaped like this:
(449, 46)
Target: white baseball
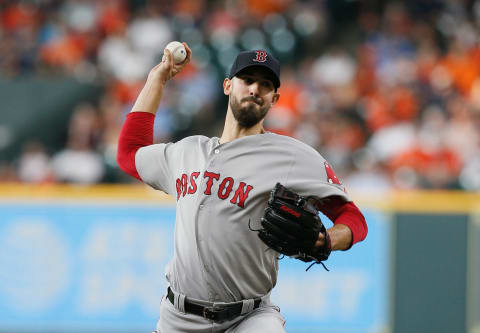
(178, 51)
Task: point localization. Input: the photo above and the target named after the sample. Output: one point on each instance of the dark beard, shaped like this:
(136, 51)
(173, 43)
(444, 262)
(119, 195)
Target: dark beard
(250, 115)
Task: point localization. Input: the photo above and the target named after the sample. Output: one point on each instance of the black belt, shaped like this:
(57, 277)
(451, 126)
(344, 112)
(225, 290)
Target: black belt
(219, 313)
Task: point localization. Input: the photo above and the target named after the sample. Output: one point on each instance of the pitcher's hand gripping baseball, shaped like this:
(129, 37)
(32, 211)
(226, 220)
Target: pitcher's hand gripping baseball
(167, 69)
(149, 98)
(291, 226)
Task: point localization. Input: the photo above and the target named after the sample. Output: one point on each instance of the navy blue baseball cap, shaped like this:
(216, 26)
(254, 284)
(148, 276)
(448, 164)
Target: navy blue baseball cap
(257, 58)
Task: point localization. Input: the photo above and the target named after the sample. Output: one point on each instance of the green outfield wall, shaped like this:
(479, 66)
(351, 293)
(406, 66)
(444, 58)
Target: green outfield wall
(39, 109)
(430, 272)
(435, 260)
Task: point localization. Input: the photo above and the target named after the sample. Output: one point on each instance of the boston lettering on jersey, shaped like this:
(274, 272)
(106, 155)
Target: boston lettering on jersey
(188, 185)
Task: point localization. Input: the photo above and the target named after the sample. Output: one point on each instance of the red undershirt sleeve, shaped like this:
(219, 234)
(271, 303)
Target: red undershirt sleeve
(137, 132)
(347, 213)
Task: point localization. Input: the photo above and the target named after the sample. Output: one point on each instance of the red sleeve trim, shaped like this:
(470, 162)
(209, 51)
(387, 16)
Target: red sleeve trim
(137, 132)
(341, 212)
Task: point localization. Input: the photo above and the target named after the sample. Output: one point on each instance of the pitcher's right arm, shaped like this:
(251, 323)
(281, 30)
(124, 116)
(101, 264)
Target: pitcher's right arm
(137, 130)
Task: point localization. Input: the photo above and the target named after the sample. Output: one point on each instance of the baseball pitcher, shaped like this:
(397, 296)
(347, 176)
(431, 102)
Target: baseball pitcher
(243, 200)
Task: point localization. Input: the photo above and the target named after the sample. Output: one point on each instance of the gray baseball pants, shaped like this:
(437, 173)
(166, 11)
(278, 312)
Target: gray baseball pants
(266, 319)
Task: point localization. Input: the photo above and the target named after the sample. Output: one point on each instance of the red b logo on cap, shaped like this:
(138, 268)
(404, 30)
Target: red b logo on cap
(261, 56)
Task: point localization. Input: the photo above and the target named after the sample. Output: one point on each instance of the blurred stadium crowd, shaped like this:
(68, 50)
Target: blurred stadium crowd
(388, 92)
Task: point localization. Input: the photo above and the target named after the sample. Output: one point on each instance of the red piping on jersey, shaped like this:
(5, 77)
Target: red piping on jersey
(341, 212)
(137, 132)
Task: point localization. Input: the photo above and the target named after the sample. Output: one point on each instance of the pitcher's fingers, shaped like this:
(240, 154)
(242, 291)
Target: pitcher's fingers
(167, 56)
(189, 51)
(175, 70)
(320, 241)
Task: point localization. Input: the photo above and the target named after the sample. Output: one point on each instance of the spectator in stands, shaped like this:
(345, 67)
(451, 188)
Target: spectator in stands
(79, 162)
(399, 88)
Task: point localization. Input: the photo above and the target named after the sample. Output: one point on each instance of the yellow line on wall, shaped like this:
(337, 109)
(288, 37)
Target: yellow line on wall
(422, 201)
(399, 201)
(69, 192)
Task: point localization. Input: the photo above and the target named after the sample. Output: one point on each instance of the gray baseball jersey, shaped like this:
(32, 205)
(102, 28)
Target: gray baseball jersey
(219, 188)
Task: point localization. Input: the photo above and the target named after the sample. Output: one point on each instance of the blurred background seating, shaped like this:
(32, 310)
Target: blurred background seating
(388, 92)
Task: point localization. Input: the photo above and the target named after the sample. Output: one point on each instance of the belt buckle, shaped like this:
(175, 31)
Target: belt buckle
(211, 313)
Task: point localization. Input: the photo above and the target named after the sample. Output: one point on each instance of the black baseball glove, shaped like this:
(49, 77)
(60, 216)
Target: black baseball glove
(291, 226)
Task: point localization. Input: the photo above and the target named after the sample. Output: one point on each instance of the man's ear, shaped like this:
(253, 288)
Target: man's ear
(227, 86)
(275, 98)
